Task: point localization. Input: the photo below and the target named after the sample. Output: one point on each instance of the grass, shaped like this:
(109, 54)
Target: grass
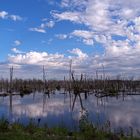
(33, 131)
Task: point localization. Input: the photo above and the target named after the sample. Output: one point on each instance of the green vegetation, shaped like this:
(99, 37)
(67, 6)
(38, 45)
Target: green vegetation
(33, 131)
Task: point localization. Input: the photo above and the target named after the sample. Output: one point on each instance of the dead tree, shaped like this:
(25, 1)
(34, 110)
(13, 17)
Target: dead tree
(11, 86)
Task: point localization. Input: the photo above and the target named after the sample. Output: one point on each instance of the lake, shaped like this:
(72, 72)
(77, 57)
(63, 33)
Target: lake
(56, 109)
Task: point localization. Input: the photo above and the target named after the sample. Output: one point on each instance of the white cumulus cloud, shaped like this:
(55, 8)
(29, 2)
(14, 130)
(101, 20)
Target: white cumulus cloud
(6, 15)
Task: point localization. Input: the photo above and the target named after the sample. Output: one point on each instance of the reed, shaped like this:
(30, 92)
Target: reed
(87, 131)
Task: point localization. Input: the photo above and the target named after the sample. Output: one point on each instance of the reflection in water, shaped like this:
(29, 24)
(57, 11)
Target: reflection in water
(10, 108)
(44, 101)
(57, 109)
(75, 96)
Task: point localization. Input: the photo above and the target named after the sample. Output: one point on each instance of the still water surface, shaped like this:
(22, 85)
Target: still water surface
(57, 110)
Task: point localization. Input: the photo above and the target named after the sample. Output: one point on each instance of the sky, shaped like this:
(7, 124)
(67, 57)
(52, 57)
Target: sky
(97, 35)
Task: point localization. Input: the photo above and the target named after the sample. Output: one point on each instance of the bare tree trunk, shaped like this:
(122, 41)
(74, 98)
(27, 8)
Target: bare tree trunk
(44, 79)
(11, 86)
(69, 86)
(74, 102)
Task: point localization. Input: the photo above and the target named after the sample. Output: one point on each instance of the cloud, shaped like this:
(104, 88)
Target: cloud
(137, 24)
(71, 16)
(43, 26)
(61, 36)
(15, 50)
(95, 15)
(3, 14)
(50, 24)
(86, 36)
(116, 60)
(82, 33)
(40, 30)
(37, 58)
(6, 15)
(79, 53)
(15, 17)
(88, 41)
(113, 24)
(102, 17)
(17, 43)
(56, 63)
(78, 4)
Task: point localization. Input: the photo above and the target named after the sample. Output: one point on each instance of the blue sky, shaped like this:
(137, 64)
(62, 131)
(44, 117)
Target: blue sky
(92, 33)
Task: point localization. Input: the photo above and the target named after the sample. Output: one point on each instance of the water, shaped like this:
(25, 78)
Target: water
(57, 110)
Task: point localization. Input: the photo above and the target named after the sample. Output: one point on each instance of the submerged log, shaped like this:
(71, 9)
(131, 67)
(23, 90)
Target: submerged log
(102, 95)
